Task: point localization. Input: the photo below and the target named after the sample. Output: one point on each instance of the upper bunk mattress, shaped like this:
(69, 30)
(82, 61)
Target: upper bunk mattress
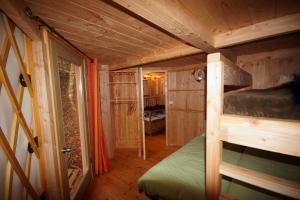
(278, 102)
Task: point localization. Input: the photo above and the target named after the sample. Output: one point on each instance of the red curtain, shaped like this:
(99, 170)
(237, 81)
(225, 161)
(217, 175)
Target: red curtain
(100, 163)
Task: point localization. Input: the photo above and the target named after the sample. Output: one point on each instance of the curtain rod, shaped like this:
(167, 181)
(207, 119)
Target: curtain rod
(41, 22)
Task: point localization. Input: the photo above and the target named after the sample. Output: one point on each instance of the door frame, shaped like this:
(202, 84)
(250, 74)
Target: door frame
(60, 163)
(141, 83)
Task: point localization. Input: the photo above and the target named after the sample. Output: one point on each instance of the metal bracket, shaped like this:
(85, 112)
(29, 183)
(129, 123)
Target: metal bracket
(36, 141)
(22, 80)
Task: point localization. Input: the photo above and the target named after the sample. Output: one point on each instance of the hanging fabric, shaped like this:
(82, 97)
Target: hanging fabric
(100, 161)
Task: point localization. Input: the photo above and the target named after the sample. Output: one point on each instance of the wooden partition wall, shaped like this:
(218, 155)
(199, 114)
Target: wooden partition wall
(186, 106)
(125, 108)
(275, 135)
(21, 164)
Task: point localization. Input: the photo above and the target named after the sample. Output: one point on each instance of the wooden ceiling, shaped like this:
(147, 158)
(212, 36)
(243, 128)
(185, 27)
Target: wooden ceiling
(125, 33)
(103, 31)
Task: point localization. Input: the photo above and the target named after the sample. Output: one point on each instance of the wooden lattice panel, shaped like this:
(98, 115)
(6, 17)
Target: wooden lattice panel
(20, 154)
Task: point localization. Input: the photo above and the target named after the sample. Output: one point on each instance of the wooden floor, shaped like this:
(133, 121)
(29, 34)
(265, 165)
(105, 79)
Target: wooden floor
(126, 167)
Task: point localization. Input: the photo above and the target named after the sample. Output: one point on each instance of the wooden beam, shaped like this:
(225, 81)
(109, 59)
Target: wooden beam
(27, 173)
(233, 75)
(282, 136)
(174, 53)
(16, 165)
(272, 183)
(15, 9)
(269, 28)
(215, 91)
(174, 18)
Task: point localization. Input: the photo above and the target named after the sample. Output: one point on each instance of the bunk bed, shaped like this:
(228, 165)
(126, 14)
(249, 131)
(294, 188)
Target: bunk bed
(243, 156)
(154, 117)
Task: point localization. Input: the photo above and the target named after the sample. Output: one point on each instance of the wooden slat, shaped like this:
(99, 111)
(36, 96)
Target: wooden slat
(5, 81)
(5, 50)
(233, 75)
(215, 83)
(17, 54)
(272, 183)
(13, 143)
(27, 173)
(269, 28)
(282, 136)
(17, 168)
(6, 46)
(174, 18)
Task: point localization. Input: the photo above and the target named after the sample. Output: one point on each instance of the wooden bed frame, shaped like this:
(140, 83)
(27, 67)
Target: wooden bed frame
(276, 135)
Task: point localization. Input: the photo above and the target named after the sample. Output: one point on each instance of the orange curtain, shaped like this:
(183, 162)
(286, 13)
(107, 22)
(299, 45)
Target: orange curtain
(100, 161)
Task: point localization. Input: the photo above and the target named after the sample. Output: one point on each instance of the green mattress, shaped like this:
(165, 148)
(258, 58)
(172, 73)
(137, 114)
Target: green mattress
(181, 176)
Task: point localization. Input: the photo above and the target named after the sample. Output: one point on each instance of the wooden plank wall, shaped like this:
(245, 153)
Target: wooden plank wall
(186, 106)
(271, 68)
(186, 116)
(125, 117)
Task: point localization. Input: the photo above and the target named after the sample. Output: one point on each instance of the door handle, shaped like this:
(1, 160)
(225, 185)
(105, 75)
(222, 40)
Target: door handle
(66, 149)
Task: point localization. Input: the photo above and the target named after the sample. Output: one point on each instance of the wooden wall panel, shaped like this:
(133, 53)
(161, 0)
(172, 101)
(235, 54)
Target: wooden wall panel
(125, 117)
(186, 106)
(271, 68)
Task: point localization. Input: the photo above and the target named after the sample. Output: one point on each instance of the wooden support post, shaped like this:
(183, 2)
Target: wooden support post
(215, 90)
(35, 112)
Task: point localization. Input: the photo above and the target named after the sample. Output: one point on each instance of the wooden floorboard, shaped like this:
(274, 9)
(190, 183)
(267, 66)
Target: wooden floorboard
(126, 168)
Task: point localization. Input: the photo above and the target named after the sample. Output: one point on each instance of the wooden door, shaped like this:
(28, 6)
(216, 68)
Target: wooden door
(125, 109)
(186, 106)
(70, 117)
(21, 156)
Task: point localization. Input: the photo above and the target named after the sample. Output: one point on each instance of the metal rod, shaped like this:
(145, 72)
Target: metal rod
(41, 22)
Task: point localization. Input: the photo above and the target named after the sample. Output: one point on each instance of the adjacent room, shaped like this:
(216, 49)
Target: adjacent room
(152, 99)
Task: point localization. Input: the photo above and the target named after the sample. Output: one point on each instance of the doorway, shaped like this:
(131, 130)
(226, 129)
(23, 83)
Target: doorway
(67, 83)
(153, 98)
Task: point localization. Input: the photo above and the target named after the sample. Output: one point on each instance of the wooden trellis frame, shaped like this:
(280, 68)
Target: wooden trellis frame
(9, 146)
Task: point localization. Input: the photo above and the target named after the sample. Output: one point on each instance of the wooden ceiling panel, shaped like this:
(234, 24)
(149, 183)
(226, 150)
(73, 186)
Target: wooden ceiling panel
(100, 29)
(122, 38)
(226, 15)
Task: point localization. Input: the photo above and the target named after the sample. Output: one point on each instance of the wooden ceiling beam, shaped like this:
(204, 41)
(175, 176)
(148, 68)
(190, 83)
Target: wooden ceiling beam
(172, 53)
(15, 9)
(175, 19)
(265, 29)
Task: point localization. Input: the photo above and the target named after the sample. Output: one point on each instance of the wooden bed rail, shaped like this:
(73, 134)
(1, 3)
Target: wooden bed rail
(233, 75)
(272, 183)
(281, 136)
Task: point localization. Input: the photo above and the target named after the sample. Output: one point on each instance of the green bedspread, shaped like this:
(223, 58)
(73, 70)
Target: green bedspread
(181, 176)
